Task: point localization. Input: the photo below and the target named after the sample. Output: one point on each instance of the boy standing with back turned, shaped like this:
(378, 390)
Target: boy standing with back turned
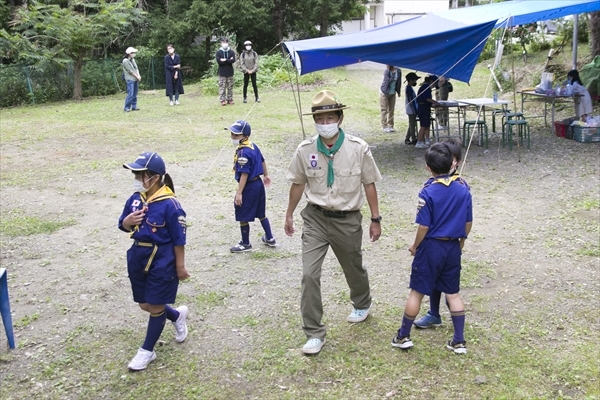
(444, 215)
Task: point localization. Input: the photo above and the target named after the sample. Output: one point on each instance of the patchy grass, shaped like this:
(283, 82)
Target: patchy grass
(23, 225)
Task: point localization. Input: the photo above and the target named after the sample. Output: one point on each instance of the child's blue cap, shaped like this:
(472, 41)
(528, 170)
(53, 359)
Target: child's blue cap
(148, 161)
(240, 127)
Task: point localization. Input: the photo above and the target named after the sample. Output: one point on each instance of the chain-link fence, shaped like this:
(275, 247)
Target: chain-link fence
(22, 84)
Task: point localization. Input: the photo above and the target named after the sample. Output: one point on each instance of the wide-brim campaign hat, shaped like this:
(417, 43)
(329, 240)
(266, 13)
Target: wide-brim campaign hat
(240, 127)
(148, 161)
(412, 76)
(325, 101)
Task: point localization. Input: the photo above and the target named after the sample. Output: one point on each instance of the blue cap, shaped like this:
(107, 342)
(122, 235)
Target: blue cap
(240, 127)
(148, 161)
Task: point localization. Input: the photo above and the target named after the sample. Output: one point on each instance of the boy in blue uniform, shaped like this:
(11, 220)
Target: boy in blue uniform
(444, 215)
(250, 198)
(433, 318)
(155, 262)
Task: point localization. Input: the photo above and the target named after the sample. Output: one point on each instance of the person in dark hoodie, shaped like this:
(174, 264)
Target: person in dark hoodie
(225, 58)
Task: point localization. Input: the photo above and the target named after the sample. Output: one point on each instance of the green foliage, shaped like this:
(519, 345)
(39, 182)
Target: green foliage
(13, 90)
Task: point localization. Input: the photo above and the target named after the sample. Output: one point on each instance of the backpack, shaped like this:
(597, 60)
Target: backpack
(450, 88)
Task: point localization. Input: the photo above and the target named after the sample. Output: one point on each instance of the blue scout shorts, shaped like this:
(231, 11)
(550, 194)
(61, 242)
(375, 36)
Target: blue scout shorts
(152, 273)
(424, 114)
(436, 266)
(254, 202)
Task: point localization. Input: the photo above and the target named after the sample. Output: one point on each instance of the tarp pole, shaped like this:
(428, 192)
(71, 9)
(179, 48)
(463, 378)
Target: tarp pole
(575, 34)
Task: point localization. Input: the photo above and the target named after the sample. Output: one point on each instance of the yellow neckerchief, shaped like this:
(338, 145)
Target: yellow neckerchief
(161, 194)
(243, 143)
(446, 180)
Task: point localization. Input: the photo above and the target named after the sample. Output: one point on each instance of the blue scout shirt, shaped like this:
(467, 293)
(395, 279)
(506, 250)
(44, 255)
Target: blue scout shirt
(248, 159)
(424, 94)
(164, 221)
(445, 206)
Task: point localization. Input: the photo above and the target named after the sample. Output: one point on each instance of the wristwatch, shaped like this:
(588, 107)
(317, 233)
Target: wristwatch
(377, 219)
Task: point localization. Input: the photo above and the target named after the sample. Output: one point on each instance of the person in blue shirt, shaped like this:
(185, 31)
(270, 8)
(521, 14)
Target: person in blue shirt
(156, 222)
(445, 216)
(433, 318)
(425, 101)
(250, 198)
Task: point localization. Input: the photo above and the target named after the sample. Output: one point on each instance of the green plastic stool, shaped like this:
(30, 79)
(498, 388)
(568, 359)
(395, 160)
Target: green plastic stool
(496, 112)
(522, 129)
(510, 116)
(482, 131)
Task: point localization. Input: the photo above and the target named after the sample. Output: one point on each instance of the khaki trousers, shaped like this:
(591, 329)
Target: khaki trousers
(344, 235)
(387, 102)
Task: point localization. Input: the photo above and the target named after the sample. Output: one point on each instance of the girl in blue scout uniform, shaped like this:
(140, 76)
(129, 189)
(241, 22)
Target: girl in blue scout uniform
(433, 318)
(155, 262)
(445, 215)
(250, 199)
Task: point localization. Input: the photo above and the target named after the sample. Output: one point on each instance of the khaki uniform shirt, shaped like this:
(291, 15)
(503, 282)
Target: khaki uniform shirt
(353, 166)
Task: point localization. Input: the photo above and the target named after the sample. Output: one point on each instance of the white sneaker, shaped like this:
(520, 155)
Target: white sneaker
(313, 346)
(358, 315)
(386, 130)
(421, 145)
(391, 129)
(427, 143)
(142, 359)
(181, 329)
(176, 102)
(170, 103)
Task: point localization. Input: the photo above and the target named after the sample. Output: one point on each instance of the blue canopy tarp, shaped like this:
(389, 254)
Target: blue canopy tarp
(429, 43)
(519, 12)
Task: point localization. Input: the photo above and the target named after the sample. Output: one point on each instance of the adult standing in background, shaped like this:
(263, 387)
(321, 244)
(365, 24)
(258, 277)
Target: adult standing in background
(132, 77)
(225, 58)
(331, 169)
(410, 102)
(249, 65)
(173, 78)
(390, 86)
(444, 89)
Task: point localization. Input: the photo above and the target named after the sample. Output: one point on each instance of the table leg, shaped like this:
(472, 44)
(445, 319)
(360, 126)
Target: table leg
(553, 127)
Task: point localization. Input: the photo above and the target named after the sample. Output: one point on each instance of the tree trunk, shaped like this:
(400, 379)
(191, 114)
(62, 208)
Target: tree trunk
(594, 25)
(207, 51)
(77, 91)
(324, 26)
(278, 20)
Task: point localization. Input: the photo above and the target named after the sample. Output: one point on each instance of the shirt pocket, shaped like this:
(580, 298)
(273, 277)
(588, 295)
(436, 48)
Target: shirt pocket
(349, 180)
(156, 223)
(317, 181)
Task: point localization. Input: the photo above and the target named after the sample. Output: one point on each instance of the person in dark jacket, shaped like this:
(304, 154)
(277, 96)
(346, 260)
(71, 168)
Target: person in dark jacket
(173, 77)
(392, 78)
(424, 103)
(225, 58)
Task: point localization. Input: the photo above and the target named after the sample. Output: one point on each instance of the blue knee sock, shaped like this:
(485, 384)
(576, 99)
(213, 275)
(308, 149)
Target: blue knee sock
(458, 320)
(267, 227)
(156, 323)
(434, 303)
(172, 314)
(245, 228)
(407, 322)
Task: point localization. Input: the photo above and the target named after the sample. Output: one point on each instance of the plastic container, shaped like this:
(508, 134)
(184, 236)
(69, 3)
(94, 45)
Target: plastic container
(562, 128)
(586, 134)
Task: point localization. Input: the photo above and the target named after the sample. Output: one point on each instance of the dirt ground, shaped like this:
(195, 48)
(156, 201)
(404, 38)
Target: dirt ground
(531, 231)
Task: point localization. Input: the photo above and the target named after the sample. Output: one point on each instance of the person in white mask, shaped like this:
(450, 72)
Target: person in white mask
(225, 57)
(331, 169)
(131, 75)
(249, 66)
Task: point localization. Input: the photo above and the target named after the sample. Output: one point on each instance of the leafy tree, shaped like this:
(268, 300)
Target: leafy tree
(48, 31)
(594, 25)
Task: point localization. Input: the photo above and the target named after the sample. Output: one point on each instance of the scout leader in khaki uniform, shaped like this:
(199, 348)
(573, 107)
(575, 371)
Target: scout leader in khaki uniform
(330, 169)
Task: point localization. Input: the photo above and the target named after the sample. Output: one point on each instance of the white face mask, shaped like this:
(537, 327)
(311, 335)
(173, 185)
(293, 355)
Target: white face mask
(235, 142)
(138, 186)
(248, 48)
(224, 46)
(132, 55)
(327, 131)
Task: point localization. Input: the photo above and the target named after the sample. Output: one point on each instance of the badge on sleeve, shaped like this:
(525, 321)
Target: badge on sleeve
(313, 159)
(420, 204)
(242, 161)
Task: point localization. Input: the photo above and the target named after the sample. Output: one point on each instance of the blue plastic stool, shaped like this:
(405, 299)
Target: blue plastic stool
(5, 308)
